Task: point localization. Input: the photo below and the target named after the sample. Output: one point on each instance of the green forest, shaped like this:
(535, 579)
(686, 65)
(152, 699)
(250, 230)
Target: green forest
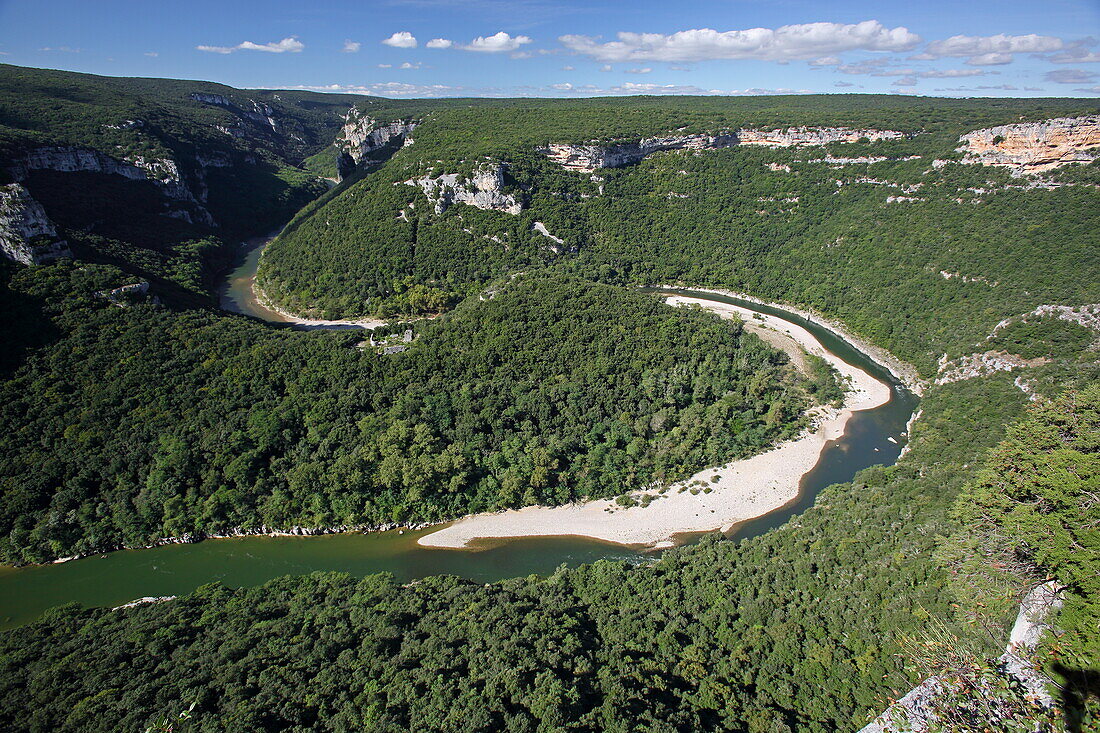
(553, 390)
(543, 376)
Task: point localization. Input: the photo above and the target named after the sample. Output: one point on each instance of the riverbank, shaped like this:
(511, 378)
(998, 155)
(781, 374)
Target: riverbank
(723, 496)
(902, 371)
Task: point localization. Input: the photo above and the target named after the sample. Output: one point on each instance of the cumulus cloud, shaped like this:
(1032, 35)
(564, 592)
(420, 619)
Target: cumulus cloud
(410, 65)
(645, 70)
(605, 67)
(287, 45)
(496, 43)
(805, 41)
(998, 49)
(401, 39)
(1076, 53)
(440, 43)
(826, 61)
(952, 73)
(1070, 76)
(885, 67)
(990, 59)
(351, 46)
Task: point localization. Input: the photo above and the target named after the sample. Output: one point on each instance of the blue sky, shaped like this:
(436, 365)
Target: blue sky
(430, 48)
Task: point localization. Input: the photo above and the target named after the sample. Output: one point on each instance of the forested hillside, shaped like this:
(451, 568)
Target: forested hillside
(127, 418)
(921, 258)
(160, 176)
(121, 426)
(799, 629)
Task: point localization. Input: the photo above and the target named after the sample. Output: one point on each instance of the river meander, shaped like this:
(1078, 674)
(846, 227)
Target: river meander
(871, 437)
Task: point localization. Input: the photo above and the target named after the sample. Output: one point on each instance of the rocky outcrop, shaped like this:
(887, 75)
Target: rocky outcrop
(164, 173)
(794, 137)
(483, 190)
(920, 709)
(362, 138)
(205, 98)
(590, 157)
(972, 366)
(1032, 147)
(1083, 315)
(26, 233)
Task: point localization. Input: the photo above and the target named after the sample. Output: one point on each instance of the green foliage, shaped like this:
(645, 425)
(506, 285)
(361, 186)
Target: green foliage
(1043, 337)
(181, 423)
(1033, 513)
(892, 271)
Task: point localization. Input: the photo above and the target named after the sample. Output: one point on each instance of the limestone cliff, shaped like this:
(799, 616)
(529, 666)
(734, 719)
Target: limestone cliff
(793, 137)
(1032, 147)
(590, 157)
(362, 137)
(26, 234)
(483, 190)
(162, 172)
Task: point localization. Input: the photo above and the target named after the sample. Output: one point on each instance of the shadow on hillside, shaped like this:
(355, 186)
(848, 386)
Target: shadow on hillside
(1080, 685)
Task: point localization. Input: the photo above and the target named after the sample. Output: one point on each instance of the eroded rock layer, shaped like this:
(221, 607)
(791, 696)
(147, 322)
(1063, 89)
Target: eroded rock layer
(1031, 147)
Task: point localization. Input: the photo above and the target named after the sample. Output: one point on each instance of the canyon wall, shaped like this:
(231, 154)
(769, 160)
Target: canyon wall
(1032, 147)
(483, 190)
(27, 235)
(361, 137)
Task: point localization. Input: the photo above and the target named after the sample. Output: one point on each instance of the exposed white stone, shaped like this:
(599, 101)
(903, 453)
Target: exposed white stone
(483, 190)
(362, 136)
(1029, 147)
(593, 156)
(26, 233)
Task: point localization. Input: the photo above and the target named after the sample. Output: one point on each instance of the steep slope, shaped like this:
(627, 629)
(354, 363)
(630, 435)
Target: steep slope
(157, 175)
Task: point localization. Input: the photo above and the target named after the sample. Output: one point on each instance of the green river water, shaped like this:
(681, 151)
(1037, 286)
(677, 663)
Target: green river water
(872, 437)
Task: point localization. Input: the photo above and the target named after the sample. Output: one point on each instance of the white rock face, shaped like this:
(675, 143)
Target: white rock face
(793, 137)
(362, 136)
(482, 191)
(163, 172)
(211, 99)
(593, 156)
(972, 366)
(590, 157)
(1032, 147)
(26, 233)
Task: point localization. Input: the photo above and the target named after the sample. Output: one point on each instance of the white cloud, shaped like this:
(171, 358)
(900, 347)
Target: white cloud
(496, 43)
(440, 43)
(1088, 90)
(409, 65)
(152, 54)
(953, 73)
(62, 49)
(567, 68)
(788, 42)
(999, 47)
(605, 67)
(646, 70)
(906, 81)
(1070, 76)
(1076, 53)
(677, 67)
(287, 45)
(990, 59)
(826, 61)
(843, 84)
(385, 66)
(351, 46)
(401, 39)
